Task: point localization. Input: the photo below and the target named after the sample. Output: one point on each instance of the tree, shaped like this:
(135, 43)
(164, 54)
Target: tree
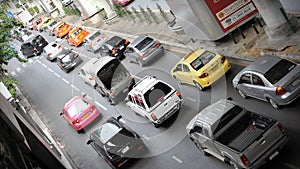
(6, 51)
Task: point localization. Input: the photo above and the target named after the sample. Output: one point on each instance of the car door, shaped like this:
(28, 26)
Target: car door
(245, 84)
(187, 76)
(137, 104)
(258, 87)
(177, 72)
(201, 134)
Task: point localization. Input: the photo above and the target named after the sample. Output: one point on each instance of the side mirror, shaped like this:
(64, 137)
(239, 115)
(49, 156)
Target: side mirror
(229, 98)
(61, 113)
(89, 142)
(119, 117)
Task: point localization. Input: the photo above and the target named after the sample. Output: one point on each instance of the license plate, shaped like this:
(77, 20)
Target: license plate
(295, 82)
(85, 116)
(125, 149)
(273, 155)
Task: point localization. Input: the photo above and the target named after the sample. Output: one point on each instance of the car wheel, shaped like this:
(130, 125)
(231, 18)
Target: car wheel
(155, 125)
(177, 79)
(234, 165)
(199, 87)
(274, 104)
(242, 94)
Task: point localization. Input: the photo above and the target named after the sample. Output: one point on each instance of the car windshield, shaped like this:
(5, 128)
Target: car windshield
(77, 107)
(202, 60)
(68, 58)
(76, 32)
(95, 35)
(52, 23)
(285, 66)
(156, 93)
(145, 42)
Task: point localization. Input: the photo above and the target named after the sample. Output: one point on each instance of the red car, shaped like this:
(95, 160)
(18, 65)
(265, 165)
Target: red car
(122, 2)
(79, 112)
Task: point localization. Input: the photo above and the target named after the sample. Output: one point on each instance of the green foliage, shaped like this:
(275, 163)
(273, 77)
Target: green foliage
(9, 82)
(17, 5)
(119, 10)
(6, 52)
(31, 10)
(36, 9)
(73, 11)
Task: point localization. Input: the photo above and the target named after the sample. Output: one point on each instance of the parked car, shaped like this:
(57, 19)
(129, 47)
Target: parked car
(68, 60)
(52, 50)
(26, 36)
(76, 36)
(34, 47)
(200, 68)
(44, 24)
(116, 142)
(271, 79)
(114, 47)
(154, 99)
(235, 135)
(79, 112)
(51, 27)
(35, 24)
(122, 2)
(62, 29)
(108, 75)
(94, 41)
(143, 49)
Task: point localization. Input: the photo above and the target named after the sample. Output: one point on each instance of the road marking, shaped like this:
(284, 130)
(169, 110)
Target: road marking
(57, 75)
(45, 65)
(104, 108)
(74, 87)
(144, 136)
(38, 61)
(24, 65)
(65, 81)
(13, 73)
(89, 97)
(50, 70)
(177, 159)
(82, 93)
(191, 99)
(18, 69)
(30, 60)
(176, 50)
(122, 120)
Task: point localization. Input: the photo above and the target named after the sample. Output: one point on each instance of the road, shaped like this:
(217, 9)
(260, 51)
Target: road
(48, 88)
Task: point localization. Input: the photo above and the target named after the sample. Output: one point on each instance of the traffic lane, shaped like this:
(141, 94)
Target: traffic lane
(48, 95)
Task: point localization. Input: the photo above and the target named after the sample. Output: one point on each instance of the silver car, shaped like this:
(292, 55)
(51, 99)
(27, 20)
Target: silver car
(270, 79)
(94, 41)
(143, 49)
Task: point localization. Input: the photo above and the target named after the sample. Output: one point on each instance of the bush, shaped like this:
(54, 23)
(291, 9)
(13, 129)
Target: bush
(9, 82)
(36, 9)
(18, 5)
(31, 10)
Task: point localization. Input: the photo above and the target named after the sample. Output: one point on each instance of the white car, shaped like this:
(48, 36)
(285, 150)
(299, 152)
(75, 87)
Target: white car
(66, 2)
(26, 36)
(52, 50)
(154, 99)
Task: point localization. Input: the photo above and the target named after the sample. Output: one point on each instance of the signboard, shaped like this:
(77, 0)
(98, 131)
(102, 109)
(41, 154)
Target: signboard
(229, 13)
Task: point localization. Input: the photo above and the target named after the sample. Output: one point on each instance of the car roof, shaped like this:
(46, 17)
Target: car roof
(263, 64)
(114, 40)
(215, 111)
(107, 130)
(144, 84)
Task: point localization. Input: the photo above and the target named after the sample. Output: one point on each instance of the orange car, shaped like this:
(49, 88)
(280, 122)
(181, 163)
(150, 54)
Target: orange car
(76, 36)
(62, 29)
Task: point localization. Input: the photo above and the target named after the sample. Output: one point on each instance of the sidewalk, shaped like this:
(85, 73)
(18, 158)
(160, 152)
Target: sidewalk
(250, 48)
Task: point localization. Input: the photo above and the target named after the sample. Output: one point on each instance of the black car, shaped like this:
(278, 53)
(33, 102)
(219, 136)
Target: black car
(34, 47)
(116, 143)
(114, 47)
(68, 60)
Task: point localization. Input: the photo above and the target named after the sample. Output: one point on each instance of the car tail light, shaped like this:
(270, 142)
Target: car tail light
(203, 75)
(59, 47)
(281, 128)
(114, 51)
(111, 93)
(153, 117)
(34, 49)
(280, 90)
(120, 164)
(142, 55)
(178, 94)
(75, 121)
(91, 78)
(49, 54)
(245, 160)
(126, 41)
(157, 44)
(223, 59)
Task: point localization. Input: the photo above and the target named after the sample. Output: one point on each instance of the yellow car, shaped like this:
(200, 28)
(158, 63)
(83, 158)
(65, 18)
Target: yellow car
(45, 22)
(200, 68)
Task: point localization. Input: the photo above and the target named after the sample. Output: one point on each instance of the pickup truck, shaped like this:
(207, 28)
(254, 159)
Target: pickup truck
(238, 137)
(108, 76)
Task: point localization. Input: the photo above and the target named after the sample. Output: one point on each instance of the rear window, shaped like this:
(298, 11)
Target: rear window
(78, 107)
(144, 43)
(285, 66)
(107, 73)
(202, 60)
(94, 36)
(156, 93)
(52, 23)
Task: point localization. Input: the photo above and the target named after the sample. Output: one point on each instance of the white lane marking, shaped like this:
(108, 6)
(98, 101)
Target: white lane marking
(89, 97)
(191, 99)
(82, 93)
(74, 87)
(144, 136)
(177, 159)
(57, 75)
(13, 73)
(30, 60)
(18, 69)
(104, 108)
(83, 55)
(38, 61)
(65, 81)
(122, 120)
(50, 70)
(24, 65)
(45, 65)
